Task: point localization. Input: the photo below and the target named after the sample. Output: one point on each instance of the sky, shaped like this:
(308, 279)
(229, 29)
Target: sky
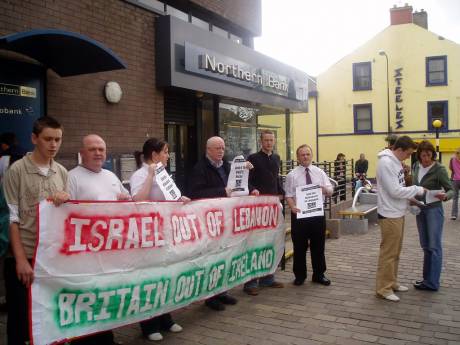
(312, 35)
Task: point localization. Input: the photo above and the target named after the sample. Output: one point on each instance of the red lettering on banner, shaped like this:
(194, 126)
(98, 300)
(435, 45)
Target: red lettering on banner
(100, 233)
(254, 217)
(215, 222)
(185, 227)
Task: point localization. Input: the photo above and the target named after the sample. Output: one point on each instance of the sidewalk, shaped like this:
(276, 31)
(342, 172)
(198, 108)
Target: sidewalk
(347, 312)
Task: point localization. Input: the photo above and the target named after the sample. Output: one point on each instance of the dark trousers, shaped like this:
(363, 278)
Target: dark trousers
(156, 324)
(307, 232)
(17, 301)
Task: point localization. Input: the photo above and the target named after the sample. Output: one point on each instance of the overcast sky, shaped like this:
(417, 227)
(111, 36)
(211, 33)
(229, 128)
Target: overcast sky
(314, 34)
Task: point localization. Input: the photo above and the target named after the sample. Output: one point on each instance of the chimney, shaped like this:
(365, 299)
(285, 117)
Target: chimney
(421, 18)
(401, 15)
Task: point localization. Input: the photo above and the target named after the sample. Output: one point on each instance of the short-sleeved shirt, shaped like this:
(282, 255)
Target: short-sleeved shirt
(297, 178)
(85, 184)
(25, 186)
(137, 181)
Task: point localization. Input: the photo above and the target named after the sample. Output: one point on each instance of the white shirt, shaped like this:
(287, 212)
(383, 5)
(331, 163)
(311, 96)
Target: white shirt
(297, 178)
(422, 171)
(85, 184)
(137, 180)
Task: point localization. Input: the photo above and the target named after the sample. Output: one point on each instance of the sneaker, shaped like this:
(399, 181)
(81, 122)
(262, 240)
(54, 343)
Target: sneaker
(392, 298)
(155, 336)
(176, 328)
(227, 299)
(252, 291)
(214, 304)
(453, 218)
(401, 288)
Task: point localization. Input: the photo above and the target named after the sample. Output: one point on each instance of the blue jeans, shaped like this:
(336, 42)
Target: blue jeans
(429, 223)
(456, 187)
(263, 282)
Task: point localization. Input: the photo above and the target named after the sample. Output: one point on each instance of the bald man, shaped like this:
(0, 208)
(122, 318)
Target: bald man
(89, 181)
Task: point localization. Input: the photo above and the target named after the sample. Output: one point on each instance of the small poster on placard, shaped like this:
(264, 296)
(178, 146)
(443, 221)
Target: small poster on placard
(309, 199)
(166, 183)
(238, 178)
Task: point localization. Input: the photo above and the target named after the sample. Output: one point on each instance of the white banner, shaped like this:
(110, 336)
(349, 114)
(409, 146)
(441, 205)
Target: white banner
(104, 265)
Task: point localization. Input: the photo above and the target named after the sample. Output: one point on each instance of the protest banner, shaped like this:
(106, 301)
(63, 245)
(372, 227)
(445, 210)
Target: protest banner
(103, 265)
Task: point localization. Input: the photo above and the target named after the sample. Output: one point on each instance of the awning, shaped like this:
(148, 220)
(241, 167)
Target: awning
(66, 53)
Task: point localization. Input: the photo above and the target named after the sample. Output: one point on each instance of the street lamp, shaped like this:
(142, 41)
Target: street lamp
(382, 52)
(437, 124)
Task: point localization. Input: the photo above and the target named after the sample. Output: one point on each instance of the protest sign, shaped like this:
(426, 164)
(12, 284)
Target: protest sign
(238, 177)
(103, 265)
(309, 199)
(166, 183)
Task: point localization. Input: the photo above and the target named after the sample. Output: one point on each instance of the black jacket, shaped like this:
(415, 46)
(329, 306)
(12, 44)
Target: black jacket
(205, 181)
(265, 175)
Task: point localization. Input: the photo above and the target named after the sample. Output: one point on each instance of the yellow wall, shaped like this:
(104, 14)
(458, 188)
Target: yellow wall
(303, 129)
(407, 46)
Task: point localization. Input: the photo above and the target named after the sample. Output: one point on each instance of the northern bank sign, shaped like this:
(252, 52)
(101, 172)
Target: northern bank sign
(213, 65)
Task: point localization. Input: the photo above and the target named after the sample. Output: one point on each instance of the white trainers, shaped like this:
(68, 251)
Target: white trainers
(155, 336)
(176, 328)
(401, 288)
(392, 298)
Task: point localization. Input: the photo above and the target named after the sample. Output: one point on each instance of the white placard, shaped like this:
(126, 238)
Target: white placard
(238, 178)
(430, 195)
(309, 199)
(166, 183)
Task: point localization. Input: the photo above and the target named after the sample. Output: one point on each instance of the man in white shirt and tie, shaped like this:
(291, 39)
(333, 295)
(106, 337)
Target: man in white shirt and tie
(309, 231)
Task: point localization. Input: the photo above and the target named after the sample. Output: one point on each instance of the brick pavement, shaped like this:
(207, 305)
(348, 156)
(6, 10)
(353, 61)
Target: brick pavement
(345, 313)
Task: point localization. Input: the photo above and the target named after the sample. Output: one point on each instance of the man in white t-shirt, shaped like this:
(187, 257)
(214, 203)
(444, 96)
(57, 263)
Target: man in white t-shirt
(89, 181)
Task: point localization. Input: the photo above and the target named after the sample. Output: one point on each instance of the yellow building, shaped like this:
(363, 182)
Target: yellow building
(398, 82)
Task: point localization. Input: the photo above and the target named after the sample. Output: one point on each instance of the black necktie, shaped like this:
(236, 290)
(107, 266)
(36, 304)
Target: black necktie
(307, 175)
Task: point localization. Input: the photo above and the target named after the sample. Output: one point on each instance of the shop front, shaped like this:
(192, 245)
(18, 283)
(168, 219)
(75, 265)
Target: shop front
(213, 86)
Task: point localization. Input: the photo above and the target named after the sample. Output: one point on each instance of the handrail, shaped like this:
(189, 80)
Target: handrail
(357, 193)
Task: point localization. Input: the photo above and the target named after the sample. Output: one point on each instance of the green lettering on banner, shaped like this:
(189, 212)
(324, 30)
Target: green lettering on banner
(250, 263)
(189, 285)
(216, 276)
(77, 308)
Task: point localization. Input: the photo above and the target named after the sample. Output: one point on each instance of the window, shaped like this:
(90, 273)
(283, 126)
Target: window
(436, 70)
(362, 114)
(362, 78)
(438, 110)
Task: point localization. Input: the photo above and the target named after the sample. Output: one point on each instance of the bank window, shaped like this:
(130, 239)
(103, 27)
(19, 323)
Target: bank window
(362, 77)
(201, 23)
(362, 114)
(436, 70)
(438, 110)
(176, 13)
(219, 31)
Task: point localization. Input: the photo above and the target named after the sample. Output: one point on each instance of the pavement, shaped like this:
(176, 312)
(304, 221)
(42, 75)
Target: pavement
(345, 313)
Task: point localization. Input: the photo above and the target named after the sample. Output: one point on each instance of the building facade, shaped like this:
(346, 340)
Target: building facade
(398, 82)
(187, 71)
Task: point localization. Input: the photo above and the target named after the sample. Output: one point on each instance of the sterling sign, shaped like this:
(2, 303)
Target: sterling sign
(213, 65)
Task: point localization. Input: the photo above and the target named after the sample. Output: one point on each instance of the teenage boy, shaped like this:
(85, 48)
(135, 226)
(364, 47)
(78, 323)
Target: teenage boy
(28, 181)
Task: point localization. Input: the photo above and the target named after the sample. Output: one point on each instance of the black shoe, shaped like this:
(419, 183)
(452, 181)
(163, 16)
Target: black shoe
(323, 281)
(298, 282)
(418, 282)
(227, 299)
(422, 286)
(214, 304)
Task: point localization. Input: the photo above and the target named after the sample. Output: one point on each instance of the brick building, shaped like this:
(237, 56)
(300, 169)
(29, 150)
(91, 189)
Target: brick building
(191, 72)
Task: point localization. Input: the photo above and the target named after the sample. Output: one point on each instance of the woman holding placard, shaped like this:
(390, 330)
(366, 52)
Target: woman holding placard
(431, 175)
(144, 187)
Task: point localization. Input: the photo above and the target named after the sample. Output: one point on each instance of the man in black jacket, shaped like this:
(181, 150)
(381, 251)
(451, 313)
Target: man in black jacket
(209, 180)
(265, 178)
